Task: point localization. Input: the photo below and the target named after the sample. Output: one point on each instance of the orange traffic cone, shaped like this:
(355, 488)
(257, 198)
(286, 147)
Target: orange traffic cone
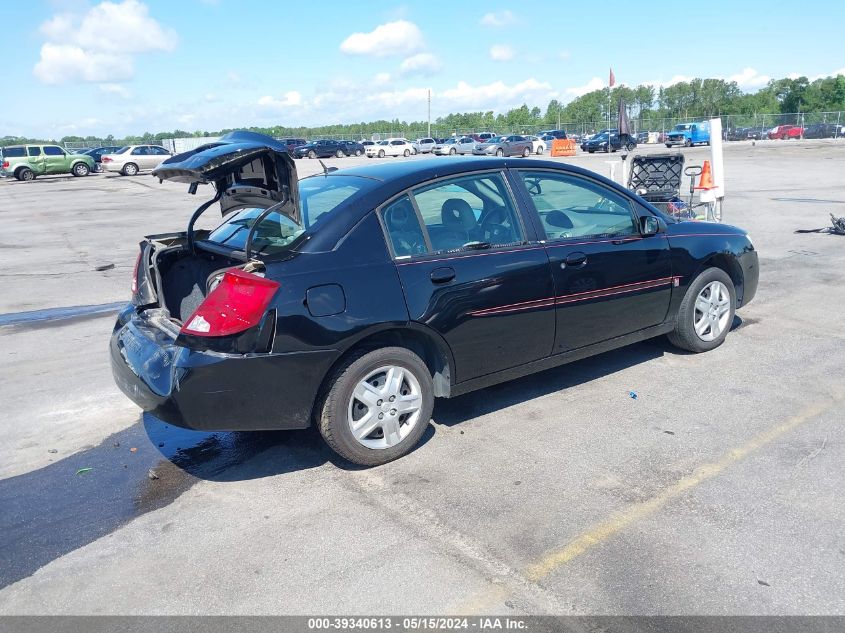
(706, 180)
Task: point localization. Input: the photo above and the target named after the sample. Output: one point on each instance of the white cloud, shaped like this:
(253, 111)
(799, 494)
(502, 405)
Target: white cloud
(660, 83)
(290, 99)
(495, 96)
(99, 46)
(393, 38)
(749, 78)
(498, 18)
(116, 89)
(381, 78)
(420, 64)
(501, 53)
(564, 55)
(594, 84)
(60, 63)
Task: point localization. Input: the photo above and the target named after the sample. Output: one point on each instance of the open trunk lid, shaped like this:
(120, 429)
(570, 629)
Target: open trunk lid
(246, 168)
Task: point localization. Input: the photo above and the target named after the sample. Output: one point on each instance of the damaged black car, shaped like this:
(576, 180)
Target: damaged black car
(351, 299)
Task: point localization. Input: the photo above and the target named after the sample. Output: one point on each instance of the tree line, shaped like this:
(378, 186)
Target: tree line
(695, 99)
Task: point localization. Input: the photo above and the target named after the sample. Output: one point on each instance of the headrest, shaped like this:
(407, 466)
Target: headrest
(457, 213)
(558, 219)
(401, 215)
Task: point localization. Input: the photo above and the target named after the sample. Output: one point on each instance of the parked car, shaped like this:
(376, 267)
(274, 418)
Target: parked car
(608, 142)
(352, 148)
(263, 324)
(97, 154)
(26, 162)
(131, 159)
(821, 130)
(538, 145)
(561, 134)
(455, 145)
(513, 145)
(390, 147)
(642, 137)
(548, 139)
(689, 134)
(324, 148)
(424, 145)
(784, 132)
(293, 143)
(485, 136)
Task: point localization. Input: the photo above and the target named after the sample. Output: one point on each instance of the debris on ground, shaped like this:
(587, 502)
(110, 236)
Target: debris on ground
(52, 450)
(838, 227)
(152, 474)
(763, 582)
(133, 450)
(101, 267)
(669, 432)
(633, 395)
(82, 471)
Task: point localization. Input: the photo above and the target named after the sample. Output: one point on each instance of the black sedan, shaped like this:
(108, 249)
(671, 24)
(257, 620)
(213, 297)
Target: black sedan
(324, 148)
(351, 299)
(97, 153)
(608, 142)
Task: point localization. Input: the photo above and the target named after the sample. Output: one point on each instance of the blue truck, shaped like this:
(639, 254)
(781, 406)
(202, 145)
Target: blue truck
(689, 134)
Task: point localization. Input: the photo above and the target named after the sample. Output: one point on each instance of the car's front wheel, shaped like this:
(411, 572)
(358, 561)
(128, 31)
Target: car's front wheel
(706, 313)
(376, 405)
(130, 169)
(80, 169)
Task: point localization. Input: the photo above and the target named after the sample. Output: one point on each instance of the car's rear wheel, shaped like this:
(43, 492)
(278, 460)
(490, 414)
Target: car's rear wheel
(312, 154)
(80, 169)
(377, 405)
(129, 169)
(526, 152)
(339, 153)
(25, 174)
(631, 146)
(357, 152)
(706, 313)
(500, 152)
(539, 150)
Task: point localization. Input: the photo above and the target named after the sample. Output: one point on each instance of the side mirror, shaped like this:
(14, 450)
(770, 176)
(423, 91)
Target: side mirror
(649, 225)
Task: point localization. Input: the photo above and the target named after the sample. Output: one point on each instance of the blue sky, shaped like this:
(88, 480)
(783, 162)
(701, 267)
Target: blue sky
(129, 66)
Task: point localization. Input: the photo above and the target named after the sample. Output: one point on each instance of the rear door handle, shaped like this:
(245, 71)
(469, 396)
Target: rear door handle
(574, 260)
(442, 275)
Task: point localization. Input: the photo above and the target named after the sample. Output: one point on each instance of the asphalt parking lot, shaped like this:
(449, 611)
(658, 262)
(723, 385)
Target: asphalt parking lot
(717, 490)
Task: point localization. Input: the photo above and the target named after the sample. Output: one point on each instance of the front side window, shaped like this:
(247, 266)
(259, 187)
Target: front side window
(52, 150)
(575, 207)
(467, 212)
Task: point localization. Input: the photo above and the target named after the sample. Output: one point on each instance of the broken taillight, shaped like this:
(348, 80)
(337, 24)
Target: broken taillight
(238, 303)
(135, 274)
(5, 164)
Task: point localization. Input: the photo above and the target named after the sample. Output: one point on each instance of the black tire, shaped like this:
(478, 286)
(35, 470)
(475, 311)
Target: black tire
(669, 145)
(129, 169)
(406, 153)
(357, 152)
(453, 151)
(381, 153)
(25, 174)
(312, 154)
(687, 143)
(80, 170)
(684, 335)
(631, 147)
(540, 150)
(526, 152)
(332, 413)
(500, 152)
(339, 153)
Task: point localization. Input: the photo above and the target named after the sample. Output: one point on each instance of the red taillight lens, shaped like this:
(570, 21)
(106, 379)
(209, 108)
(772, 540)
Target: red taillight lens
(235, 305)
(5, 164)
(105, 159)
(135, 275)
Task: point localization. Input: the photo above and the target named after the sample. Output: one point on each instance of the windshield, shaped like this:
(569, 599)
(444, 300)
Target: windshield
(682, 127)
(319, 197)
(600, 137)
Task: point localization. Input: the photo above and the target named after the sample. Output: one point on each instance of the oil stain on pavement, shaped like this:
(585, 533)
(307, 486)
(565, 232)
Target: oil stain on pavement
(54, 510)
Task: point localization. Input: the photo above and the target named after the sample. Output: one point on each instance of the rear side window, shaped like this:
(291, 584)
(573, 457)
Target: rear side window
(33, 151)
(52, 150)
(403, 228)
(13, 152)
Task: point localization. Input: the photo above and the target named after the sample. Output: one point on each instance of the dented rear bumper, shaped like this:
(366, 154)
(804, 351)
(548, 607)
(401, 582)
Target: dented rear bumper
(211, 391)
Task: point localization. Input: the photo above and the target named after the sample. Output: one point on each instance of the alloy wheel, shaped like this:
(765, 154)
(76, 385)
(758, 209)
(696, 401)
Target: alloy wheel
(712, 311)
(384, 407)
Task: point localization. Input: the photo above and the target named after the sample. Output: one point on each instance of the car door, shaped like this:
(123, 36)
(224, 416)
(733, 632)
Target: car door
(157, 155)
(610, 280)
(473, 271)
(35, 158)
(55, 160)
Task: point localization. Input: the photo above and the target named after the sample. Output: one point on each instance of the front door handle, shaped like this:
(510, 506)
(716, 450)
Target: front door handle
(442, 275)
(574, 260)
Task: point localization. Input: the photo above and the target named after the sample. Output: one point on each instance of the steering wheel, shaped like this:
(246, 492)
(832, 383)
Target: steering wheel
(533, 186)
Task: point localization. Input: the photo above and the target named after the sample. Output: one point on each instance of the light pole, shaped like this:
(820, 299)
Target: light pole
(429, 112)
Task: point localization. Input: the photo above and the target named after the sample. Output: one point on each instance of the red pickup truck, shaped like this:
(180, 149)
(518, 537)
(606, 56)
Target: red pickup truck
(786, 131)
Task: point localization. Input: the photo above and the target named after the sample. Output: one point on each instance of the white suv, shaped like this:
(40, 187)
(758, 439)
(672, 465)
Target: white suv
(424, 145)
(390, 147)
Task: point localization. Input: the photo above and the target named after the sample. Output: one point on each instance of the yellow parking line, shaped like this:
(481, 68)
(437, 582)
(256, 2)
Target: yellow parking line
(604, 530)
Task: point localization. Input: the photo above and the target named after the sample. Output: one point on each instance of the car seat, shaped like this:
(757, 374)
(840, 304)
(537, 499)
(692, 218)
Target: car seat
(404, 229)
